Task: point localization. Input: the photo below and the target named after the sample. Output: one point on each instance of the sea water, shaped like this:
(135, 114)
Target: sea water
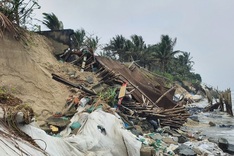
(224, 123)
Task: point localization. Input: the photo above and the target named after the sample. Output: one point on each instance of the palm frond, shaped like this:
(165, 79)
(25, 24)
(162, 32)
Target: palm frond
(52, 22)
(6, 24)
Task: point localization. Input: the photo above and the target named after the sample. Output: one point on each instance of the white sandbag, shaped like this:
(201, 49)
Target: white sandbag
(54, 146)
(12, 145)
(90, 140)
(116, 141)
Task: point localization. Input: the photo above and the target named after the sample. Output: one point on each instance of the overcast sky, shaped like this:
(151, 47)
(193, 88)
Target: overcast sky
(205, 28)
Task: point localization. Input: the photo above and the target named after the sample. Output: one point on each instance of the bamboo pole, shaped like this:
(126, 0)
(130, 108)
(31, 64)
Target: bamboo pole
(159, 99)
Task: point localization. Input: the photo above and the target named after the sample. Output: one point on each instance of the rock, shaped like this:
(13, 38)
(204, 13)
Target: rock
(146, 126)
(197, 137)
(197, 150)
(175, 139)
(169, 141)
(147, 151)
(185, 151)
(139, 129)
(191, 122)
(194, 118)
(212, 139)
(74, 90)
(155, 136)
(190, 134)
(182, 139)
(230, 149)
(89, 79)
(223, 144)
(59, 122)
(70, 73)
(225, 126)
(171, 148)
(135, 132)
(212, 124)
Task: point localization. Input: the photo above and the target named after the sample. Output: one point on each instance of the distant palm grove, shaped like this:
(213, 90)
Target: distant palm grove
(160, 57)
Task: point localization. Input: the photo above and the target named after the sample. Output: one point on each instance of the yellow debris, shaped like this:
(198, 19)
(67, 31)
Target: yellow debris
(54, 128)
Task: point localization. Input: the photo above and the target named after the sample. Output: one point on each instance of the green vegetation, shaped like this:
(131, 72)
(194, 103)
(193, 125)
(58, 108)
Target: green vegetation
(19, 11)
(109, 96)
(89, 41)
(52, 22)
(160, 58)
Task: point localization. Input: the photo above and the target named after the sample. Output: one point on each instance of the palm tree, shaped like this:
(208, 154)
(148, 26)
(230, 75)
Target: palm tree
(164, 52)
(19, 11)
(118, 45)
(52, 22)
(6, 24)
(187, 60)
(92, 43)
(138, 42)
(80, 36)
(184, 64)
(138, 47)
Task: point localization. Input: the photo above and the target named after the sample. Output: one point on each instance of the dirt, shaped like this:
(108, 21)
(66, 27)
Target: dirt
(25, 72)
(9, 100)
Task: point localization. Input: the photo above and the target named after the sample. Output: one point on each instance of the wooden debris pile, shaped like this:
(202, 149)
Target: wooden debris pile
(136, 93)
(151, 99)
(174, 117)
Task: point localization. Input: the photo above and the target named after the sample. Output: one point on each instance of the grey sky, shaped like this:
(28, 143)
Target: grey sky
(202, 27)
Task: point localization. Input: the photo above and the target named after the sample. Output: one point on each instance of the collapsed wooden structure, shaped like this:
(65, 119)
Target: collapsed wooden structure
(153, 99)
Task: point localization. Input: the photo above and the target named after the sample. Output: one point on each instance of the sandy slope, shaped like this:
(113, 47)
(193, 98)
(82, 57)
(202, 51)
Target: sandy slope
(25, 70)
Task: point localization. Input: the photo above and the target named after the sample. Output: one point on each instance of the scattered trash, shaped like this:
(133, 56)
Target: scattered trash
(102, 129)
(75, 125)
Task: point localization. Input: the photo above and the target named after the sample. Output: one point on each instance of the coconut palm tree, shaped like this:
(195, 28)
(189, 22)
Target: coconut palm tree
(186, 60)
(183, 64)
(137, 47)
(138, 42)
(92, 43)
(19, 11)
(165, 52)
(118, 46)
(80, 36)
(6, 24)
(51, 21)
